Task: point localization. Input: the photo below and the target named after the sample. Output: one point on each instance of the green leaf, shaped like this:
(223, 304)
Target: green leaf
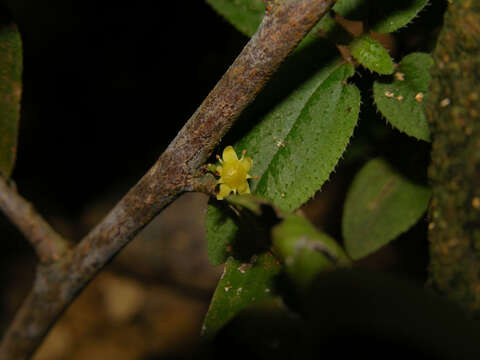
(352, 9)
(241, 285)
(221, 230)
(393, 15)
(400, 101)
(245, 15)
(10, 94)
(372, 55)
(381, 204)
(296, 160)
(306, 251)
(383, 16)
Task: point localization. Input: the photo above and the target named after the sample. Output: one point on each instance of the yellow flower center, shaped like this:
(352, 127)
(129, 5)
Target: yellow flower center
(233, 174)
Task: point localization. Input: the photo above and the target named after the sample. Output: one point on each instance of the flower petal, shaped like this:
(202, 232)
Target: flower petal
(219, 170)
(229, 154)
(244, 188)
(246, 163)
(224, 191)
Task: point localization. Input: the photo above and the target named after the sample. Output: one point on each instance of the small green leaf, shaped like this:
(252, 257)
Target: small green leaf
(372, 55)
(245, 15)
(381, 204)
(402, 101)
(10, 94)
(393, 15)
(241, 285)
(305, 251)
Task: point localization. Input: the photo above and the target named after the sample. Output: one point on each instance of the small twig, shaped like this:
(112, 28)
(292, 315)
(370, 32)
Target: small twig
(282, 28)
(48, 245)
(205, 183)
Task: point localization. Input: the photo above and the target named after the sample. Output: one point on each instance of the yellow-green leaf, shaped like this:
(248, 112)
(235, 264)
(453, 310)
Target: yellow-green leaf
(372, 55)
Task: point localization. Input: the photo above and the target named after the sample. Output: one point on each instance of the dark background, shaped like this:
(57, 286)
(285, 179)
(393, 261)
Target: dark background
(106, 86)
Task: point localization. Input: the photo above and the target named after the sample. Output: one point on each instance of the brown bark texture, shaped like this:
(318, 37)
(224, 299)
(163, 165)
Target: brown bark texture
(48, 245)
(453, 111)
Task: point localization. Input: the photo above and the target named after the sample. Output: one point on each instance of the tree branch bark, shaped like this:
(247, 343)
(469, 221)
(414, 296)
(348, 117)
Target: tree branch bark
(48, 245)
(454, 113)
(56, 285)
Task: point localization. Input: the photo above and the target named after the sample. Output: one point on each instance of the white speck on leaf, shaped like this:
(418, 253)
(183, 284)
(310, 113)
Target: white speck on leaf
(445, 102)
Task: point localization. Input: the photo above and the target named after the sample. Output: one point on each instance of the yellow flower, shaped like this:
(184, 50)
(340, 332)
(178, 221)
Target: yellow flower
(233, 173)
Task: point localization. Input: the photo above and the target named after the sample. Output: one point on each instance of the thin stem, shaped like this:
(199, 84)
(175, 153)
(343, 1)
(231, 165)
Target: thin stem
(282, 28)
(48, 244)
